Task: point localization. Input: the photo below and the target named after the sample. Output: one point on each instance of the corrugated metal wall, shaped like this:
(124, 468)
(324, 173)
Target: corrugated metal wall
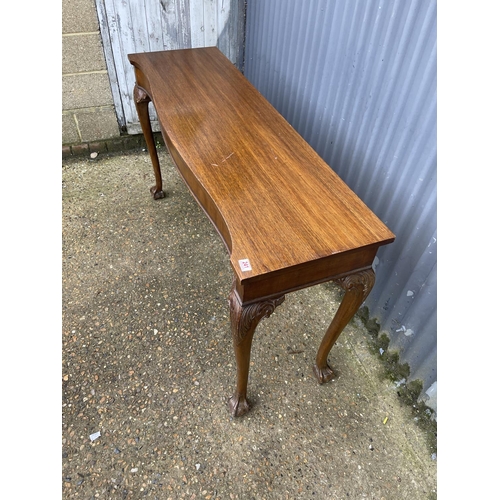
(357, 79)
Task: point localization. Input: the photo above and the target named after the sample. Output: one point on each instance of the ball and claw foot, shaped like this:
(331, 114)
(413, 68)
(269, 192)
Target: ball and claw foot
(325, 374)
(157, 195)
(238, 406)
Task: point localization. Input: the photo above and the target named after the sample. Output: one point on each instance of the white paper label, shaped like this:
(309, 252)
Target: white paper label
(245, 265)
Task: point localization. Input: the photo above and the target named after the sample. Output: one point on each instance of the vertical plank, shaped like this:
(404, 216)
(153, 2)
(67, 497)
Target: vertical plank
(197, 23)
(185, 23)
(137, 25)
(154, 27)
(120, 38)
(169, 24)
(222, 18)
(110, 62)
(210, 22)
(231, 29)
(175, 16)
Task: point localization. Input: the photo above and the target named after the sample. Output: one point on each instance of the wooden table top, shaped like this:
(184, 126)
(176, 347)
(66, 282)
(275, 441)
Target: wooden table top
(274, 201)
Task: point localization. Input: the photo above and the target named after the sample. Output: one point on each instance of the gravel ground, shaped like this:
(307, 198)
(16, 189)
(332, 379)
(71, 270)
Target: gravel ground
(148, 365)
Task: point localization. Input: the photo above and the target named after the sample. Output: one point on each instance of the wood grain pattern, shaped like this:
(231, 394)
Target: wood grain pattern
(272, 198)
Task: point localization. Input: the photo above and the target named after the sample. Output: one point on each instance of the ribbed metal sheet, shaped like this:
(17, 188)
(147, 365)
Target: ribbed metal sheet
(357, 79)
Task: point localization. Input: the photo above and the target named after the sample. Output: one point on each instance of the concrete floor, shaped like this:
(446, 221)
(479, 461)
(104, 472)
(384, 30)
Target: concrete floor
(148, 365)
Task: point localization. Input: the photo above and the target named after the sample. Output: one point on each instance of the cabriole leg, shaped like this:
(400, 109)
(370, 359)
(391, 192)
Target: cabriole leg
(142, 101)
(244, 321)
(357, 287)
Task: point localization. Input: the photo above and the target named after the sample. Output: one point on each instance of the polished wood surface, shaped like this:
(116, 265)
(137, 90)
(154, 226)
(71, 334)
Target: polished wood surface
(286, 217)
